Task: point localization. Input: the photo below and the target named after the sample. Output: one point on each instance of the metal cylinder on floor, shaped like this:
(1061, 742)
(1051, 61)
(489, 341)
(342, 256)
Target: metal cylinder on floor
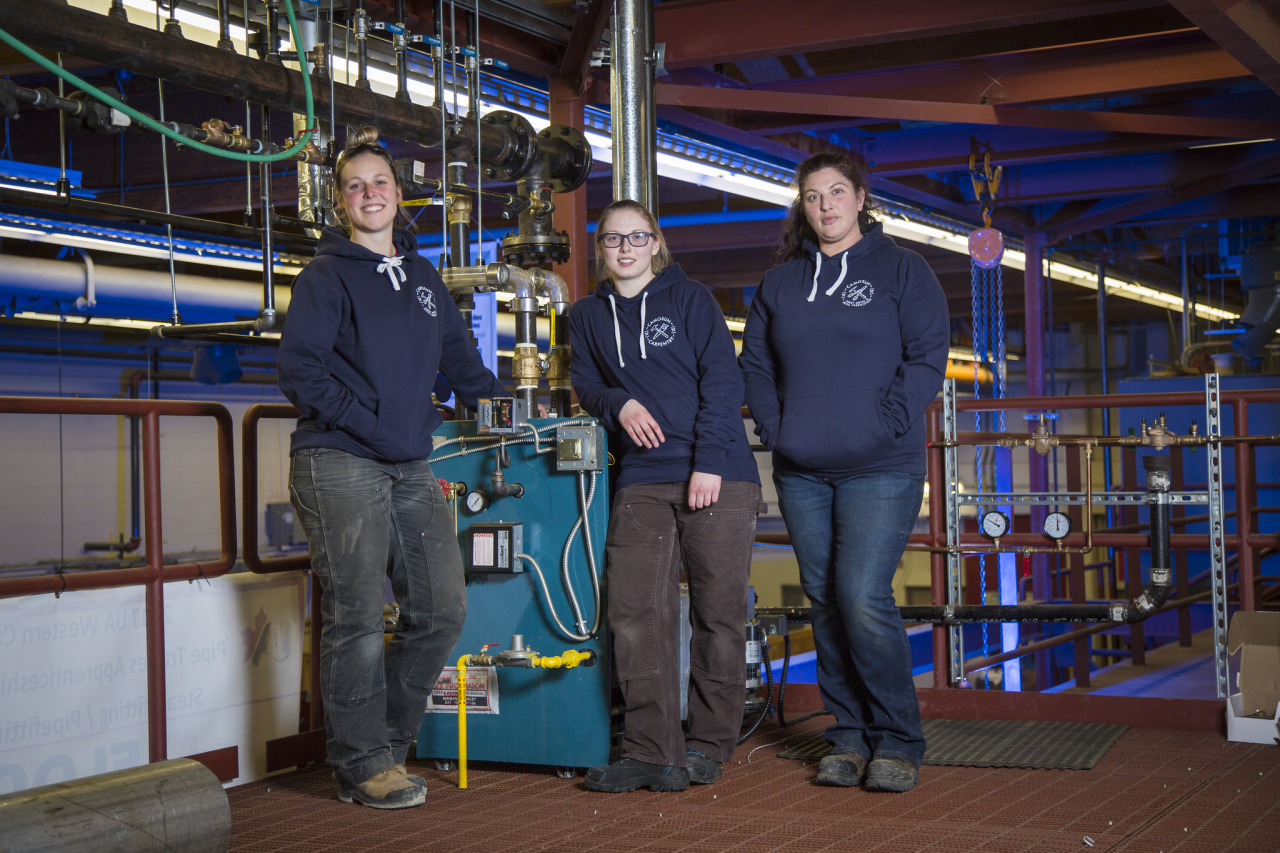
(172, 805)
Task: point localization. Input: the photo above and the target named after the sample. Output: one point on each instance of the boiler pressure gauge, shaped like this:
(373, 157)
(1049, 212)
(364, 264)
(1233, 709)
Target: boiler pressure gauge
(477, 502)
(995, 524)
(1057, 525)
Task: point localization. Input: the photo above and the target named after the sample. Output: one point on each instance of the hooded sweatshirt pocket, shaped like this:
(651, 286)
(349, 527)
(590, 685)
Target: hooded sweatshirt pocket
(833, 432)
(401, 421)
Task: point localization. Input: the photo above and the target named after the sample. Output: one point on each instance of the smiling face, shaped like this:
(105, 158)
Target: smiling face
(369, 196)
(630, 267)
(831, 204)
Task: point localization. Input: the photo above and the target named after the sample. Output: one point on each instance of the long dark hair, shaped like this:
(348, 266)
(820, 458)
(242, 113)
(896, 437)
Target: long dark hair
(797, 228)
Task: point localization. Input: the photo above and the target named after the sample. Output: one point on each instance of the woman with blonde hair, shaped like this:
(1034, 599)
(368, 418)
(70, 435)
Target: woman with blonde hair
(654, 360)
(369, 327)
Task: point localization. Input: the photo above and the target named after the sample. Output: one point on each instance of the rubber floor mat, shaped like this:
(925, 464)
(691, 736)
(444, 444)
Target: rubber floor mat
(999, 743)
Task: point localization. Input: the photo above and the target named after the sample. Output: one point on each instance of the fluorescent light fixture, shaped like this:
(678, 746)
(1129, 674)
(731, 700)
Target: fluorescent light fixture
(82, 321)
(1225, 144)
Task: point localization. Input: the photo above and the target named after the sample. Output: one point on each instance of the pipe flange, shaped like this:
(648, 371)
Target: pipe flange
(570, 157)
(522, 147)
(535, 248)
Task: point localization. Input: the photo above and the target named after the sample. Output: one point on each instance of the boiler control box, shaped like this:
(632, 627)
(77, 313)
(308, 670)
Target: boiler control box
(492, 547)
(501, 415)
(581, 448)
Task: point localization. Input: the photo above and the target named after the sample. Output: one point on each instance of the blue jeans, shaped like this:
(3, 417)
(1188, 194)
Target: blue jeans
(848, 535)
(366, 520)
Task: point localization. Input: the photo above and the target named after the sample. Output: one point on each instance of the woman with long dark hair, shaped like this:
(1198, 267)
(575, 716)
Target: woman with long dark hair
(844, 348)
(370, 326)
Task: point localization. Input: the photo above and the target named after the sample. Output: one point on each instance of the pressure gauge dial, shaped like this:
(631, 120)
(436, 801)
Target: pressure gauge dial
(477, 502)
(1057, 525)
(995, 524)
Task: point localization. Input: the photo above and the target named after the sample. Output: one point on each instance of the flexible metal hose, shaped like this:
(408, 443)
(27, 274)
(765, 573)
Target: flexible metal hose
(584, 504)
(546, 594)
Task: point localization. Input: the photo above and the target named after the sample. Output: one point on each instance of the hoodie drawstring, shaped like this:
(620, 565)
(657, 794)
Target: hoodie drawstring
(391, 266)
(617, 335)
(643, 300)
(844, 267)
(817, 270)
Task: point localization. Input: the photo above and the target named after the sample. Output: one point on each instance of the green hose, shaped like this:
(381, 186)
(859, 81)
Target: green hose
(151, 123)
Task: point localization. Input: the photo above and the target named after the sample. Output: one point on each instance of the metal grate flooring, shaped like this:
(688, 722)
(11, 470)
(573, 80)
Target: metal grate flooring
(1153, 791)
(998, 743)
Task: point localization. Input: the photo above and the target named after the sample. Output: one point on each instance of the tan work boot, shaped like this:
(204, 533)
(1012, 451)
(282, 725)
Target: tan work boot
(387, 790)
(404, 771)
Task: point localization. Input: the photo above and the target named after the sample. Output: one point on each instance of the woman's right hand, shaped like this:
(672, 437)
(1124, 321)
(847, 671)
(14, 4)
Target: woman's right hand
(640, 425)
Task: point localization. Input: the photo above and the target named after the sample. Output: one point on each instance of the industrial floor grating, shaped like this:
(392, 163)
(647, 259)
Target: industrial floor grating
(1176, 792)
(999, 743)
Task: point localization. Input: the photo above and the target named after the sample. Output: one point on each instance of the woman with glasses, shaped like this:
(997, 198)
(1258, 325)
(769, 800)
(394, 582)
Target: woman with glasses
(654, 360)
(845, 346)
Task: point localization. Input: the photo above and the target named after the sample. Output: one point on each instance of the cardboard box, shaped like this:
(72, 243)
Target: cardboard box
(1252, 713)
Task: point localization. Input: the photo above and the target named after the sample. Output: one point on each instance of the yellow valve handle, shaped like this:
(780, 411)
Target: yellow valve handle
(566, 660)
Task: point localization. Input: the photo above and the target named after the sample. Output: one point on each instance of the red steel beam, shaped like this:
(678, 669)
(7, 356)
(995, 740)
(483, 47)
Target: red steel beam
(703, 32)
(1071, 73)
(249, 492)
(566, 107)
(759, 100)
(588, 27)
(1246, 29)
(1262, 166)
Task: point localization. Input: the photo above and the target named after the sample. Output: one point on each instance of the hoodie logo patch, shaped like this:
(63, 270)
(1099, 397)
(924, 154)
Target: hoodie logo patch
(427, 300)
(857, 293)
(659, 332)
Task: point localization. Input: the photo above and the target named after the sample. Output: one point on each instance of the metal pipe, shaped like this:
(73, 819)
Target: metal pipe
(473, 65)
(224, 26)
(632, 104)
(437, 56)
(169, 805)
(361, 26)
(525, 363)
(157, 702)
(273, 34)
(249, 500)
(400, 43)
(313, 178)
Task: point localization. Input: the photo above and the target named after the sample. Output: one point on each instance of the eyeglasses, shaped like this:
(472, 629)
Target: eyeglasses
(612, 239)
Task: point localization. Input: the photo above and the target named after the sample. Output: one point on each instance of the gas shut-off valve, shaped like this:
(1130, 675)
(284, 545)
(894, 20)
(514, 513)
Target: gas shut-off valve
(521, 657)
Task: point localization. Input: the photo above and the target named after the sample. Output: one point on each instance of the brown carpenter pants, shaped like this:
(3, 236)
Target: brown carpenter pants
(650, 530)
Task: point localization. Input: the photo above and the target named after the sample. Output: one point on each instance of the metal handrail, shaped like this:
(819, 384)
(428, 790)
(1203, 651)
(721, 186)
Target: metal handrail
(154, 574)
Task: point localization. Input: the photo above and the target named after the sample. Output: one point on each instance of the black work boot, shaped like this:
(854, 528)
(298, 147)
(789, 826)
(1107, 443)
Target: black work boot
(703, 770)
(841, 771)
(628, 774)
(895, 775)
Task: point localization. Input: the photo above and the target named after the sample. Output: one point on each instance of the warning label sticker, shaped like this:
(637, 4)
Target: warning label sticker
(482, 549)
(482, 692)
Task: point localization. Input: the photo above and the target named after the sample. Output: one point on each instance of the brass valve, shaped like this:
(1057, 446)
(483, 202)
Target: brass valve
(459, 207)
(226, 136)
(525, 365)
(558, 367)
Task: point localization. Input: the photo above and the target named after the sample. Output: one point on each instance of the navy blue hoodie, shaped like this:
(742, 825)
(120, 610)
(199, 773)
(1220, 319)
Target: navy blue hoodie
(365, 339)
(670, 349)
(840, 366)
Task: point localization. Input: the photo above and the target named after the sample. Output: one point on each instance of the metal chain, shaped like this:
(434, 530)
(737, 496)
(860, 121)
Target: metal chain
(979, 356)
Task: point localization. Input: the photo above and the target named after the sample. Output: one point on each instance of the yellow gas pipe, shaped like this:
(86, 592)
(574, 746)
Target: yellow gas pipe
(462, 720)
(565, 660)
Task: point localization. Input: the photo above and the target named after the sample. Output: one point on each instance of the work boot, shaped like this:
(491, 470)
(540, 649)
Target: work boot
(896, 775)
(387, 790)
(417, 780)
(841, 771)
(703, 770)
(629, 774)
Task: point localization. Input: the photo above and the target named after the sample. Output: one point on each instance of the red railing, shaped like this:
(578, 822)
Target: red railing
(155, 574)
(1245, 541)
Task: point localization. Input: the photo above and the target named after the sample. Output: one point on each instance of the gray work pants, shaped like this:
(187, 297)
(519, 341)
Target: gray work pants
(366, 520)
